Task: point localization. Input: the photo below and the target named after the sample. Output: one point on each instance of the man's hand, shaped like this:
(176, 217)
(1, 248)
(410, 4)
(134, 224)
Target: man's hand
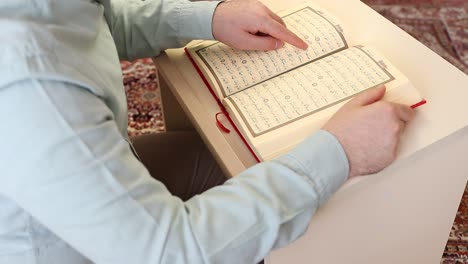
(369, 131)
(249, 25)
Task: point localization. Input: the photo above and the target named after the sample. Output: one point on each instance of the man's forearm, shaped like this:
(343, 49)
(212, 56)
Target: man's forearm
(83, 183)
(145, 28)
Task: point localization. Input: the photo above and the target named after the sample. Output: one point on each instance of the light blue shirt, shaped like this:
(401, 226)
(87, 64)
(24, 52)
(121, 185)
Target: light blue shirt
(71, 191)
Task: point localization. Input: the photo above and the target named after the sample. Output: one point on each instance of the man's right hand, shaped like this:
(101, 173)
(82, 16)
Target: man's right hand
(369, 130)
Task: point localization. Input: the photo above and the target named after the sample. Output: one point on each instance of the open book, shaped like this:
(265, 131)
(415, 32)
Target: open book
(278, 98)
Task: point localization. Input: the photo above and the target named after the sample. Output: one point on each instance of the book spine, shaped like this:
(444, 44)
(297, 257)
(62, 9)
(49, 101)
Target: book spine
(221, 106)
(200, 73)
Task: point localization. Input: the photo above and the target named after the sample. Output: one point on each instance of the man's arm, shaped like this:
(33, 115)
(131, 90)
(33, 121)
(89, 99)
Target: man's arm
(144, 28)
(79, 178)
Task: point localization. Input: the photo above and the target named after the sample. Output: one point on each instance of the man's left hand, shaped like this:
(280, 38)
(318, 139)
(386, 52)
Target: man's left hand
(250, 25)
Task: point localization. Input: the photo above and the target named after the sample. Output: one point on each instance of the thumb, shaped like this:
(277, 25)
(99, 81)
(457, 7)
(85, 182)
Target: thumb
(368, 97)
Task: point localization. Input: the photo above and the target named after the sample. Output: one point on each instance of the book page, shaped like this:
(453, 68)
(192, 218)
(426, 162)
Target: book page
(235, 70)
(309, 89)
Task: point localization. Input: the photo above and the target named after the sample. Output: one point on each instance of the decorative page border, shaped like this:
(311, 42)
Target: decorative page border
(198, 52)
(390, 78)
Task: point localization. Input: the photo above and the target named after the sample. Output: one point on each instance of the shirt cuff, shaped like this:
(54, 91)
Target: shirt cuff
(196, 19)
(322, 161)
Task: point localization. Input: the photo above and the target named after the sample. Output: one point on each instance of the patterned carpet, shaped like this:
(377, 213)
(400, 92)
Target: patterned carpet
(442, 25)
(143, 97)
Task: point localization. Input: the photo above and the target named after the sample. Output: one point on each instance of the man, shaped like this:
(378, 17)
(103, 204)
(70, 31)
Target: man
(71, 189)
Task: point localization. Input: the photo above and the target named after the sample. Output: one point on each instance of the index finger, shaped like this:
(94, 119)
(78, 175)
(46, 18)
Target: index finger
(279, 31)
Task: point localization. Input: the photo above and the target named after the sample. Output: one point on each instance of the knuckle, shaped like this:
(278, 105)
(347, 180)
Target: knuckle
(261, 6)
(265, 18)
(388, 110)
(401, 127)
(260, 9)
(257, 12)
(395, 128)
(261, 21)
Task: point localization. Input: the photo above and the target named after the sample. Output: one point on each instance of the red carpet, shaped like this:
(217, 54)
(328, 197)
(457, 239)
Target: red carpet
(442, 25)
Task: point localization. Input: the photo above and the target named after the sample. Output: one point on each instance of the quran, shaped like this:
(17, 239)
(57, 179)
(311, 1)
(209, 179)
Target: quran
(275, 99)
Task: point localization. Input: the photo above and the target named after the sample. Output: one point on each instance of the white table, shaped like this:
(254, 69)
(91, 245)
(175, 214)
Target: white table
(402, 215)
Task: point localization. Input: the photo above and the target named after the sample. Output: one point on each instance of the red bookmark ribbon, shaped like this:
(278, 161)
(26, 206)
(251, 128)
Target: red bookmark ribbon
(220, 125)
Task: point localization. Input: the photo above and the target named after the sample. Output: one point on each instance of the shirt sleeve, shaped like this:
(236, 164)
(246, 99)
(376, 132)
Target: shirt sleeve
(144, 28)
(65, 162)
